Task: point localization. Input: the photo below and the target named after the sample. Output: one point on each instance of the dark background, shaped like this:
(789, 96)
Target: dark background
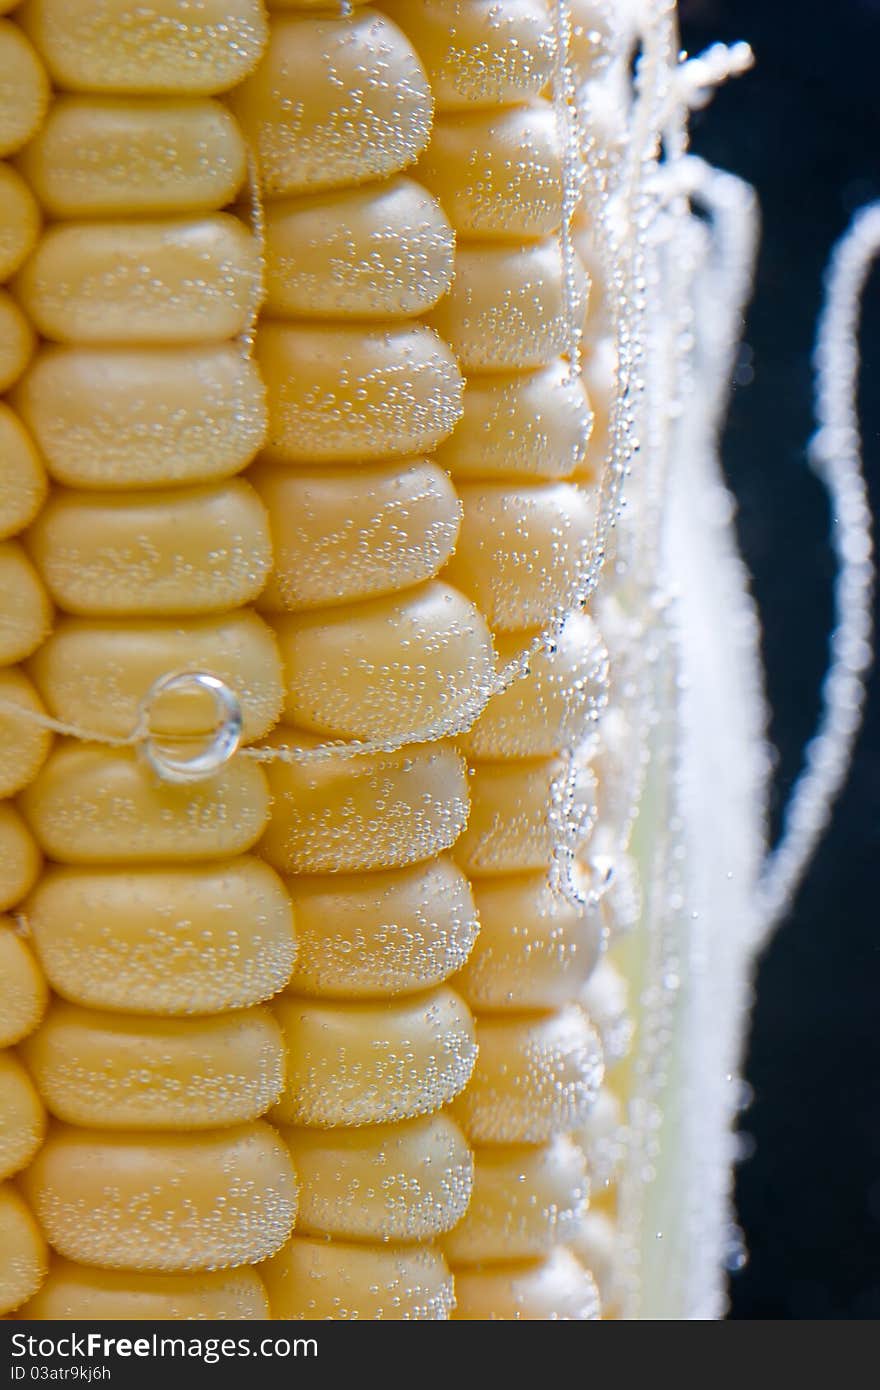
(804, 129)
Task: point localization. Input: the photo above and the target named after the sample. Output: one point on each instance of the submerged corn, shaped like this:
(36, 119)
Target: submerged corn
(321, 1041)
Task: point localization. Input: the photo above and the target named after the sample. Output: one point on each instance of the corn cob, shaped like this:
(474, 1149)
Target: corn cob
(386, 360)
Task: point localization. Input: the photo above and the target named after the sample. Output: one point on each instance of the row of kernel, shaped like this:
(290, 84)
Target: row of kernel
(603, 41)
(521, 552)
(152, 919)
(373, 647)
(25, 618)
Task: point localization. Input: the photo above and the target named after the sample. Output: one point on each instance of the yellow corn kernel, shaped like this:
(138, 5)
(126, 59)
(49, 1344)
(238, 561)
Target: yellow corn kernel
(173, 281)
(344, 534)
(22, 1116)
(19, 221)
(536, 1076)
(492, 57)
(143, 417)
(115, 1071)
(198, 551)
(534, 424)
(20, 858)
(24, 1251)
(97, 671)
(129, 157)
(83, 1293)
(535, 949)
(17, 341)
(22, 475)
(23, 743)
(506, 309)
(337, 395)
(165, 1203)
(498, 172)
(377, 811)
(24, 89)
(105, 46)
(93, 806)
(384, 251)
(371, 1063)
(552, 709)
(404, 663)
(508, 830)
(522, 551)
(375, 935)
(318, 1279)
(362, 110)
(24, 997)
(557, 1289)
(526, 1200)
(164, 940)
(403, 1182)
(25, 607)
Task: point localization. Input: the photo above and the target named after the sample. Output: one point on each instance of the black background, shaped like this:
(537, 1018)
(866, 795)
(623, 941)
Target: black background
(804, 128)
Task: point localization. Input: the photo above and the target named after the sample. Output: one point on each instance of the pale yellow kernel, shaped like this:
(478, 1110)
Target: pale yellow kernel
(22, 1116)
(557, 1289)
(339, 395)
(164, 940)
(24, 743)
(177, 280)
(96, 672)
(128, 157)
(19, 221)
(536, 1076)
(409, 1181)
(315, 1279)
(371, 1063)
(526, 1200)
(507, 309)
(115, 1071)
(366, 936)
(341, 814)
(25, 606)
(535, 948)
(523, 551)
(169, 47)
(17, 341)
(479, 52)
(334, 101)
(20, 858)
(22, 475)
(25, 1257)
(164, 1203)
(92, 805)
(24, 88)
(404, 666)
(81, 1293)
(343, 534)
(23, 990)
(153, 553)
(143, 417)
(380, 252)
